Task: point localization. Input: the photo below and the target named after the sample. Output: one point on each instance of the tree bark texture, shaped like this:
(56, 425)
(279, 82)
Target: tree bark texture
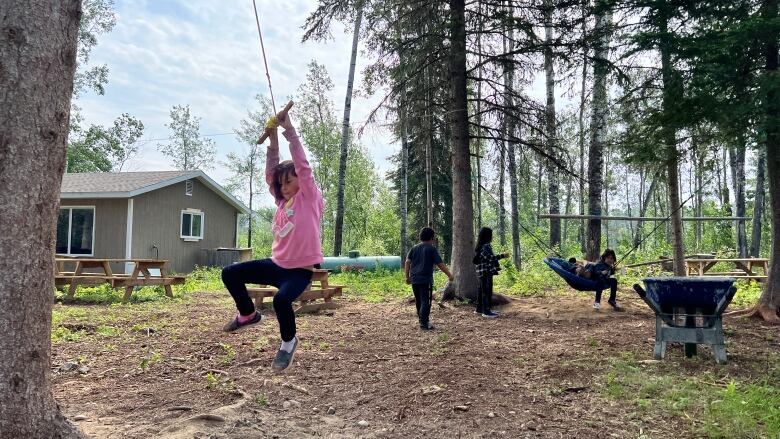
(465, 282)
(511, 127)
(339, 226)
(549, 116)
(598, 126)
(404, 195)
(37, 65)
(769, 302)
(671, 90)
(758, 207)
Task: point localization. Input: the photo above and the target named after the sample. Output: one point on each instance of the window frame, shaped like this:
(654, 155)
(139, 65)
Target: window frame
(192, 213)
(70, 229)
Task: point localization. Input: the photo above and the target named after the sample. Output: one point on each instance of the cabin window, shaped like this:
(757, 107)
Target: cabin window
(191, 225)
(188, 187)
(76, 231)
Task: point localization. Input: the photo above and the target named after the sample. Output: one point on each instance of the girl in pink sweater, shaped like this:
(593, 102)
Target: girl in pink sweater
(296, 246)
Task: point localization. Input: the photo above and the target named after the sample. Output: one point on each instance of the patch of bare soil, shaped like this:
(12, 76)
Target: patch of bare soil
(366, 370)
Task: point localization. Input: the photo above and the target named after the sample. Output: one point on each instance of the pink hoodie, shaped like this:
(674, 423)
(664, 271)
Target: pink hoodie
(297, 229)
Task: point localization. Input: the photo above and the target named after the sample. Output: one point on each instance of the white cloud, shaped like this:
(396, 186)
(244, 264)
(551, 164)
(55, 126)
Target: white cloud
(207, 54)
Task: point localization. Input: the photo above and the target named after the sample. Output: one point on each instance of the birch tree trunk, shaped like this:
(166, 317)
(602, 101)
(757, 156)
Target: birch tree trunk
(549, 113)
(404, 195)
(643, 210)
(339, 226)
(758, 208)
(37, 65)
(598, 126)
(737, 157)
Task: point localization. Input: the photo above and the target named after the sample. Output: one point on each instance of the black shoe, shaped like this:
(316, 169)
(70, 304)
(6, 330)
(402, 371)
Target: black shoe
(490, 314)
(427, 327)
(284, 359)
(234, 324)
(615, 306)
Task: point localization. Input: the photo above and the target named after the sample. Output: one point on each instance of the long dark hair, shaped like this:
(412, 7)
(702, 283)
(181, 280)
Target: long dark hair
(484, 237)
(609, 252)
(281, 171)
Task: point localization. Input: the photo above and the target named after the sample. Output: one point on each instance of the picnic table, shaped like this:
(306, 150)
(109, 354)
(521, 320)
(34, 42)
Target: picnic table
(318, 288)
(101, 273)
(745, 268)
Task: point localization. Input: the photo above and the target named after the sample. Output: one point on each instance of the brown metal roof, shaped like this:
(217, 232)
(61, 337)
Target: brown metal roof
(96, 182)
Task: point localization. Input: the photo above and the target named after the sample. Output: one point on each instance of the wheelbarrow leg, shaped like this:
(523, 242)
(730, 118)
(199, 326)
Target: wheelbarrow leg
(690, 322)
(719, 347)
(660, 346)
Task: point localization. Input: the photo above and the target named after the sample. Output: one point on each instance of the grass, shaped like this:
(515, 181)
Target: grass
(715, 405)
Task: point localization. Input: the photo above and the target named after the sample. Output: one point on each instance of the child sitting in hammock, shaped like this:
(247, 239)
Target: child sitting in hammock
(602, 271)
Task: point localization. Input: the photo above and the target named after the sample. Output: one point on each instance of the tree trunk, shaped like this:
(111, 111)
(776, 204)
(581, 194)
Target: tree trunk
(502, 160)
(511, 127)
(699, 187)
(404, 195)
(37, 64)
(478, 158)
(607, 168)
(465, 282)
(670, 92)
(549, 113)
(598, 126)
(567, 209)
(583, 241)
(738, 176)
(769, 302)
(539, 192)
(643, 210)
(339, 226)
(758, 208)
(251, 212)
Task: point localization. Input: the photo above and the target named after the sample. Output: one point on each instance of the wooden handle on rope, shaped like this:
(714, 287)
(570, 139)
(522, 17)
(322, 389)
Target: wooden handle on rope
(281, 113)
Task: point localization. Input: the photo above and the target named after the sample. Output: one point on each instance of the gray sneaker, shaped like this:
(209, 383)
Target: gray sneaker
(234, 325)
(284, 359)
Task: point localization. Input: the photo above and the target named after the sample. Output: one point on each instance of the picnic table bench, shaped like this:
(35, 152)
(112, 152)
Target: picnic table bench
(745, 268)
(140, 277)
(319, 288)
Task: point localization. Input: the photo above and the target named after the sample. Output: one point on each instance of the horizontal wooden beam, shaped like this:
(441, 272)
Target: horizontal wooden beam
(647, 218)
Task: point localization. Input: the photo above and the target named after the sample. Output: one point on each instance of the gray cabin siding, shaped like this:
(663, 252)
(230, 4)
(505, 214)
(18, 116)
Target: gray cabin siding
(110, 227)
(157, 221)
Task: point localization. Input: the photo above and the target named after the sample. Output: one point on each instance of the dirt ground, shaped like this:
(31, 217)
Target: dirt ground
(366, 370)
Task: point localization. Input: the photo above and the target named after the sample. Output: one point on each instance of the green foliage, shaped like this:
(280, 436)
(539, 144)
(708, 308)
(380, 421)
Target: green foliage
(740, 410)
(97, 17)
(186, 147)
(748, 293)
(102, 149)
(150, 361)
(229, 353)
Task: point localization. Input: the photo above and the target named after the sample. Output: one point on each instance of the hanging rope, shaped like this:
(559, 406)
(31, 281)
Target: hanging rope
(265, 61)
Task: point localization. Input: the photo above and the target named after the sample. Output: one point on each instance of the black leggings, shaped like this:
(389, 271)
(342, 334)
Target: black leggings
(485, 293)
(612, 284)
(290, 282)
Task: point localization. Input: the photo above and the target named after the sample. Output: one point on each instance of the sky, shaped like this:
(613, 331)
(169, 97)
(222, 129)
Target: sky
(206, 54)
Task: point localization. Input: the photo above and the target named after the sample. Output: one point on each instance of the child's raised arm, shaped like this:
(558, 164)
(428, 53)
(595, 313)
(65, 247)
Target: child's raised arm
(306, 181)
(271, 160)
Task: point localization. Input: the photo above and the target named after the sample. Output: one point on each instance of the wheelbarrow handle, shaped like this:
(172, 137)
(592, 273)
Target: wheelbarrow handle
(639, 290)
